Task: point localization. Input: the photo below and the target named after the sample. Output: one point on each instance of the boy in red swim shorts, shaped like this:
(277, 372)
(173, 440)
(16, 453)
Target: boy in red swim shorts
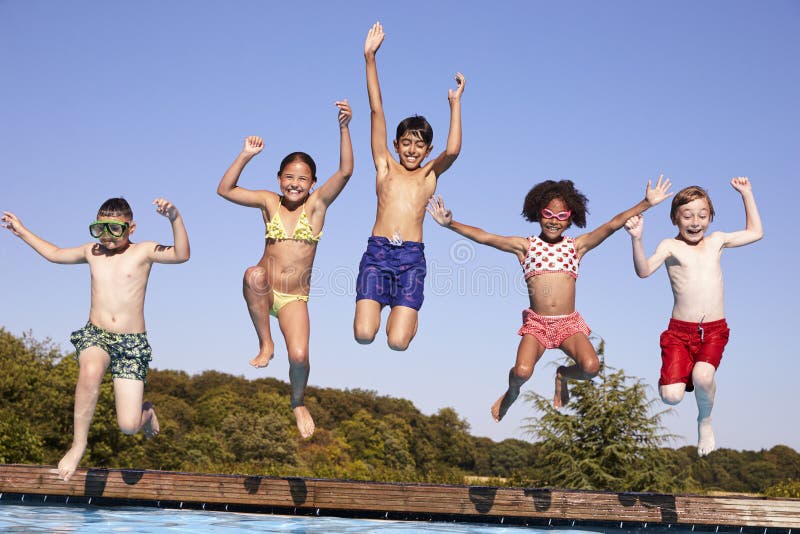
(692, 345)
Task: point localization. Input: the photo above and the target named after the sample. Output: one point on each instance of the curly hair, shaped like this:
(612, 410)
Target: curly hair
(542, 193)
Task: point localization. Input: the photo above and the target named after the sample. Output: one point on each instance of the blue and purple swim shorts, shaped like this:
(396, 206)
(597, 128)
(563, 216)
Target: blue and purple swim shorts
(392, 275)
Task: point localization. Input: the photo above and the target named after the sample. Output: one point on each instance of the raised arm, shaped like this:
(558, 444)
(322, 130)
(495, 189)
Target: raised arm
(453, 148)
(179, 252)
(752, 229)
(227, 186)
(47, 250)
(380, 150)
(644, 267)
(653, 196)
(328, 191)
(443, 216)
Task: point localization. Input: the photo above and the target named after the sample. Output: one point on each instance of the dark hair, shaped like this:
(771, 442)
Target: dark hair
(686, 195)
(116, 207)
(542, 193)
(303, 157)
(417, 126)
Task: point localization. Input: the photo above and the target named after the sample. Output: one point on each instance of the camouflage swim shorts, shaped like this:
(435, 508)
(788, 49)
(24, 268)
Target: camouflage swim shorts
(130, 353)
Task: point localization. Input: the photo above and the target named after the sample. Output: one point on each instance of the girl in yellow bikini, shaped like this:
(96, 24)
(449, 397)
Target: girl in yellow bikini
(279, 284)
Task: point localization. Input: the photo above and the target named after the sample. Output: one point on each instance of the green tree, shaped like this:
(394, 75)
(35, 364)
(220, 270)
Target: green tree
(609, 440)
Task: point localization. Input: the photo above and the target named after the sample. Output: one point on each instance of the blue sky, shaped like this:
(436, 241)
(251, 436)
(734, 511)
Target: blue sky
(152, 98)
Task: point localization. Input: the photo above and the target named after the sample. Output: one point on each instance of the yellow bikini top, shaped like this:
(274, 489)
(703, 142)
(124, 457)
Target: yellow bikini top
(302, 231)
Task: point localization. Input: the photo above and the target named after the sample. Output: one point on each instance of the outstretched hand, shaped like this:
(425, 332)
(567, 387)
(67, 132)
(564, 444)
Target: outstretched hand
(635, 226)
(345, 113)
(455, 94)
(166, 208)
(253, 144)
(657, 194)
(10, 221)
(439, 213)
(374, 39)
(741, 184)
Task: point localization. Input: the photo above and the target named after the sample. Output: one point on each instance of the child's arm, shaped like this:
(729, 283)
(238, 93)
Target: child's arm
(453, 148)
(179, 252)
(328, 191)
(653, 196)
(227, 186)
(47, 250)
(443, 216)
(380, 150)
(752, 229)
(644, 267)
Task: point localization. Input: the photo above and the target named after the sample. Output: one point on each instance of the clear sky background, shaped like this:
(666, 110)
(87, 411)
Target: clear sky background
(151, 98)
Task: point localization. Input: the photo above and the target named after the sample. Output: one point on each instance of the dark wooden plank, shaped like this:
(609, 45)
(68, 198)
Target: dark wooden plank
(477, 502)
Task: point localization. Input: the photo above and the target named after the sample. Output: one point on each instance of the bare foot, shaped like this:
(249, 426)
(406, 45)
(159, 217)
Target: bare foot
(151, 427)
(705, 437)
(305, 424)
(262, 359)
(561, 396)
(501, 406)
(69, 463)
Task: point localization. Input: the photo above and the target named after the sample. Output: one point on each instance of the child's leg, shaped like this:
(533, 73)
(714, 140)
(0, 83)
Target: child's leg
(294, 322)
(705, 389)
(587, 365)
(367, 320)
(258, 294)
(528, 353)
(672, 394)
(401, 327)
(132, 414)
(93, 362)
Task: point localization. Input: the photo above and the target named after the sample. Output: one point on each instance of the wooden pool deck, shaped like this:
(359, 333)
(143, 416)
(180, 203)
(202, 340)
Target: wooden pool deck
(310, 496)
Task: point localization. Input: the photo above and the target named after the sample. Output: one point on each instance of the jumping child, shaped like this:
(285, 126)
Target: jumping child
(115, 334)
(692, 345)
(279, 284)
(550, 266)
(392, 270)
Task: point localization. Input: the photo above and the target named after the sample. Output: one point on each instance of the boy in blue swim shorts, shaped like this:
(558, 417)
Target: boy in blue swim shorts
(392, 270)
(115, 334)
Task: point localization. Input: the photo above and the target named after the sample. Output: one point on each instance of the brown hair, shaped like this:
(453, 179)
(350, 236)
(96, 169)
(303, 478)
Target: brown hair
(686, 195)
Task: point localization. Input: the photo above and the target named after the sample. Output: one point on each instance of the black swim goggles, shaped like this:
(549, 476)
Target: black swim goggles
(114, 229)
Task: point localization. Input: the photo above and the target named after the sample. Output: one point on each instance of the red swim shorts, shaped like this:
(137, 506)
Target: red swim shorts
(552, 330)
(683, 344)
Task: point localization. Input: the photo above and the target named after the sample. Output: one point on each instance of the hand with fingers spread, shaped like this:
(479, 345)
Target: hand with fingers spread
(455, 94)
(374, 39)
(440, 214)
(345, 113)
(658, 194)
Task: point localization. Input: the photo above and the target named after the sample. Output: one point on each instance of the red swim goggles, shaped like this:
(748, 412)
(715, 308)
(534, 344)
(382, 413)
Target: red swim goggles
(561, 215)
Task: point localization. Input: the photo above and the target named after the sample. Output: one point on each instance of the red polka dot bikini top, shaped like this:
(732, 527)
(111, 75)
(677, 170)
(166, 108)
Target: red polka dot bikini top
(544, 257)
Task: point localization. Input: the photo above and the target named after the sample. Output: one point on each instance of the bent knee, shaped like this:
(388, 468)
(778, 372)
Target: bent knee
(591, 369)
(298, 357)
(363, 334)
(399, 344)
(255, 277)
(129, 426)
(523, 372)
(672, 397)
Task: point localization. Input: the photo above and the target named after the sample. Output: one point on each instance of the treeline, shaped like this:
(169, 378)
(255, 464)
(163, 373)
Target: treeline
(218, 423)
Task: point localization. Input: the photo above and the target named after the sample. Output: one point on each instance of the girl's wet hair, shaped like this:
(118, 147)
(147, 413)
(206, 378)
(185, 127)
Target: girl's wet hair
(299, 156)
(686, 195)
(417, 126)
(116, 207)
(542, 193)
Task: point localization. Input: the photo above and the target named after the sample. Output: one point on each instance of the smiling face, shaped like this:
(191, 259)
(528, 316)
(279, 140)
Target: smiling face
(411, 150)
(692, 220)
(295, 181)
(111, 242)
(552, 228)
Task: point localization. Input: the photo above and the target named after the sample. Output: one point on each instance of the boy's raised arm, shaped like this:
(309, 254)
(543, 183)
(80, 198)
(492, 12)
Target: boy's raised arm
(47, 250)
(644, 267)
(228, 187)
(333, 186)
(753, 231)
(380, 150)
(179, 251)
(443, 216)
(444, 160)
